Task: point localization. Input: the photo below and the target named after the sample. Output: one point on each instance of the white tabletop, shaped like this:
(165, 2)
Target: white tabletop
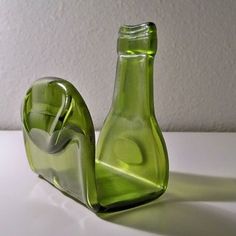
(200, 200)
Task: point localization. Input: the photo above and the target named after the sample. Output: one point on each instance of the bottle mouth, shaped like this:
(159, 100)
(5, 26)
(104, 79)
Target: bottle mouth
(137, 31)
(137, 39)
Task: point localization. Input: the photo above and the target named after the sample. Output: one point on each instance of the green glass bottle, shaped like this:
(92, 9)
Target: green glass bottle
(59, 138)
(131, 156)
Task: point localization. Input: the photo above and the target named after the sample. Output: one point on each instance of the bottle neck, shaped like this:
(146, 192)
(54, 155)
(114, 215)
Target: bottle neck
(134, 85)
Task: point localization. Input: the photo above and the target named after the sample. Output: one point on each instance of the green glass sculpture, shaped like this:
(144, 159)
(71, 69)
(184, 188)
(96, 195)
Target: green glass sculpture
(131, 156)
(59, 138)
(131, 164)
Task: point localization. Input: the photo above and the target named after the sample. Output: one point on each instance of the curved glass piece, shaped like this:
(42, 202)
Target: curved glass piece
(131, 158)
(59, 138)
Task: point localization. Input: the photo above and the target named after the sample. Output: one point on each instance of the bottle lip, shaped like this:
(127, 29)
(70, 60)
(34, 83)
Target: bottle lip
(138, 31)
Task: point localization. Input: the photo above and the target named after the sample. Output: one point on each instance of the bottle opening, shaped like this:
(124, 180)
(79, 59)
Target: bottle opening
(137, 31)
(137, 39)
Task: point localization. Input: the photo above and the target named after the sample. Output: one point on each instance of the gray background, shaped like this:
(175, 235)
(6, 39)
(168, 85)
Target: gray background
(195, 69)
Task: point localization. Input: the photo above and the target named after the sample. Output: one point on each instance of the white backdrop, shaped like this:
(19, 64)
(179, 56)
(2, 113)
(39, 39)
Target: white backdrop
(195, 69)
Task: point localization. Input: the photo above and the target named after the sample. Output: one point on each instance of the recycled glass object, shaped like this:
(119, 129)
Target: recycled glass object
(59, 138)
(131, 159)
(131, 165)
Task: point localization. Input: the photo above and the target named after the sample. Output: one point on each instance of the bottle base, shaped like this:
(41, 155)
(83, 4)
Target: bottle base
(125, 205)
(118, 190)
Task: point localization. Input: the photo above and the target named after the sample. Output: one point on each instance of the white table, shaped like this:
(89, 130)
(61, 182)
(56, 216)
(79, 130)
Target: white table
(200, 200)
